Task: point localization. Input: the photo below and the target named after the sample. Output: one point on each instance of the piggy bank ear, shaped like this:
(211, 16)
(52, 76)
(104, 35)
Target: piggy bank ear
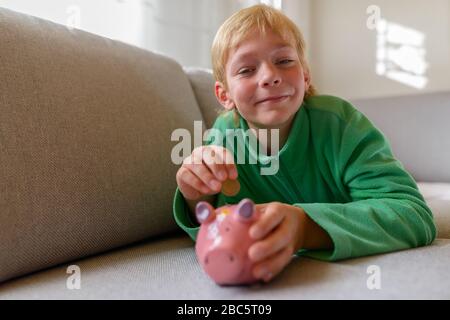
(245, 209)
(204, 212)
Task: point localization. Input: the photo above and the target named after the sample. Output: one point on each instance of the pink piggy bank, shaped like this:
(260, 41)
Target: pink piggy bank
(223, 241)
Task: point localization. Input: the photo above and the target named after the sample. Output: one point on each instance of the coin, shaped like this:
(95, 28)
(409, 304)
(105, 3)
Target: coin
(230, 187)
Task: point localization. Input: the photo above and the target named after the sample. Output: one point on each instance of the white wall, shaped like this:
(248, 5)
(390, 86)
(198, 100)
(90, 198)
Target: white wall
(341, 50)
(185, 29)
(181, 29)
(344, 50)
(299, 11)
(116, 19)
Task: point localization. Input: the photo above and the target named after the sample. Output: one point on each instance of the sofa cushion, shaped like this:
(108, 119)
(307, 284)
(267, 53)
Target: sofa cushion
(437, 196)
(168, 269)
(417, 128)
(85, 143)
(202, 83)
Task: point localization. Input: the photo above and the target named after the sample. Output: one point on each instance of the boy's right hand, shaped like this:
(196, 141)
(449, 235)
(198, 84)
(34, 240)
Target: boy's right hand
(204, 171)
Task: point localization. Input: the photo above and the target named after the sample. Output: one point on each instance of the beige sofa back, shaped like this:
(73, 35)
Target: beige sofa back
(85, 143)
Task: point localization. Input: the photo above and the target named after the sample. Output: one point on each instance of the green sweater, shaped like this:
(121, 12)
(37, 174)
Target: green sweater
(340, 169)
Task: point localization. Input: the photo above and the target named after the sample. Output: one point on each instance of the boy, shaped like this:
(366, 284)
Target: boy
(338, 193)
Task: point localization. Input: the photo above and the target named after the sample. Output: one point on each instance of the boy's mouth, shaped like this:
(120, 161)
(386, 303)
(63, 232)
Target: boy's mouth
(277, 98)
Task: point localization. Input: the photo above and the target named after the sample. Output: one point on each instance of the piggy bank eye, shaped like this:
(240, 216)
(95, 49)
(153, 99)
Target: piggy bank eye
(227, 229)
(245, 209)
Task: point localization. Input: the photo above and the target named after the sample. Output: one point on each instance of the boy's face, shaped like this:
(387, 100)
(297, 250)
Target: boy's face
(266, 82)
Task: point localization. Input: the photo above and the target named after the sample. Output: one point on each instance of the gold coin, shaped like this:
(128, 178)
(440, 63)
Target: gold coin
(230, 187)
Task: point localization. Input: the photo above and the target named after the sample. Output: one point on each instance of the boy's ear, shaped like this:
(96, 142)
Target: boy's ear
(222, 96)
(307, 78)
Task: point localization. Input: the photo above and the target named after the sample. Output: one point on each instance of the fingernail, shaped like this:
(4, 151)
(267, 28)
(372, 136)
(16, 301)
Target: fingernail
(214, 184)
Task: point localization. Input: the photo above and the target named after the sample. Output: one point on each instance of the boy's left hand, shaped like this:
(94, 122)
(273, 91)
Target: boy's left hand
(279, 234)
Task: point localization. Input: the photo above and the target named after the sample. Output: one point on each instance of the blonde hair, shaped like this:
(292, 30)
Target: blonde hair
(237, 27)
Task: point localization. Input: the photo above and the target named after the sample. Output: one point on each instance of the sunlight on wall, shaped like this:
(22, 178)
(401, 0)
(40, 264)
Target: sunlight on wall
(401, 54)
(116, 19)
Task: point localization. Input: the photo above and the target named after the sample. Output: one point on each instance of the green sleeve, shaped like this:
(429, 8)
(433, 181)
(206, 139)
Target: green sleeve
(386, 211)
(182, 216)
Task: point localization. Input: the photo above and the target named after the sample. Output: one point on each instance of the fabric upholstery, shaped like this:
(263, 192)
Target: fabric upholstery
(202, 83)
(85, 146)
(85, 167)
(417, 127)
(168, 269)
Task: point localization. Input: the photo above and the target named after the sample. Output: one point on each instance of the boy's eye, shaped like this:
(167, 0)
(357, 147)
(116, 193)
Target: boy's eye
(244, 71)
(285, 61)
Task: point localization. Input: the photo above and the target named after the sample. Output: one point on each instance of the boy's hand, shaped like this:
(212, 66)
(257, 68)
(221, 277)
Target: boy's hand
(204, 171)
(280, 233)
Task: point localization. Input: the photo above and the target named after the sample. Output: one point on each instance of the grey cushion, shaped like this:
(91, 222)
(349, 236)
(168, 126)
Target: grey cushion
(418, 129)
(85, 144)
(202, 83)
(168, 269)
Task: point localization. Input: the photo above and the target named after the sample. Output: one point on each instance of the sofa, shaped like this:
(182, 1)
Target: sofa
(87, 181)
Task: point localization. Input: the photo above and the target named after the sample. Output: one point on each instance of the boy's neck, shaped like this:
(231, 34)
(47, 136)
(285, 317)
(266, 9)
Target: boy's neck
(265, 139)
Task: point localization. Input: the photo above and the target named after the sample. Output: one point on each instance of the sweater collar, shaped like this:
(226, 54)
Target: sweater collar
(295, 145)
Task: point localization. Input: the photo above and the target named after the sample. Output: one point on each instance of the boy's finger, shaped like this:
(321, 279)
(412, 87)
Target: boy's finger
(230, 165)
(270, 245)
(268, 220)
(205, 175)
(192, 179)
(188, 192)
(215, 163)
(261, 207)
(270, 267)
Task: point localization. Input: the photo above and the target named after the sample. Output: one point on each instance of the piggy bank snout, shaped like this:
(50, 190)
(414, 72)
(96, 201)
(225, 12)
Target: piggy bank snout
(223, 265)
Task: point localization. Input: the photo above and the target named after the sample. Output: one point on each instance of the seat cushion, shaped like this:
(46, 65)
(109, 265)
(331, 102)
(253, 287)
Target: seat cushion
(168, 269)
(437, 196)
(85, 143)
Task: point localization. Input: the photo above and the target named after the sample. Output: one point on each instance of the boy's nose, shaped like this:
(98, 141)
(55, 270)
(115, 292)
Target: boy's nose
(270, 78)
(271, 82)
